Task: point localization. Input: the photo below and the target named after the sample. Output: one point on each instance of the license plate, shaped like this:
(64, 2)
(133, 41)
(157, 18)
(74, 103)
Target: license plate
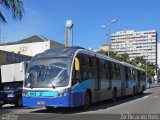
(1, 102)
(40, 102)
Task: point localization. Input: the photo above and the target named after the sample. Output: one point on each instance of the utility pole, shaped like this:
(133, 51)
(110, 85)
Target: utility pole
(108, 26)
(66, 37)
(0, 32)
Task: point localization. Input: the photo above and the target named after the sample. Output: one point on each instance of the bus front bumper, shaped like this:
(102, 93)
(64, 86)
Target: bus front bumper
(59, 101)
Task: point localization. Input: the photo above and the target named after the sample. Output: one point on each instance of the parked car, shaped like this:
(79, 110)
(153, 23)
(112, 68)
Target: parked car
(11, 94)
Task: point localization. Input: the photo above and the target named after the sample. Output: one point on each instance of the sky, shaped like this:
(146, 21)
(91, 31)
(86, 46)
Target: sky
(47, 18)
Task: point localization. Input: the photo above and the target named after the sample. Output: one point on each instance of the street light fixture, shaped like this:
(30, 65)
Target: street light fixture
(109, 34)
(146, 71)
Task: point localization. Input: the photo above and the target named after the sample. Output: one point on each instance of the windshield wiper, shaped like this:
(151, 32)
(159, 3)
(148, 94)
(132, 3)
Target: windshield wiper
(31, 85)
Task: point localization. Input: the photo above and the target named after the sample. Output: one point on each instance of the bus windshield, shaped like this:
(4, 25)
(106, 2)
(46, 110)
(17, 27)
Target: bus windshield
(47, 73)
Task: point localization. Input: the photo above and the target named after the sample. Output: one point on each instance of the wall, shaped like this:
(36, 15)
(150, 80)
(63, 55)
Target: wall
(31, 49)
(8, 58)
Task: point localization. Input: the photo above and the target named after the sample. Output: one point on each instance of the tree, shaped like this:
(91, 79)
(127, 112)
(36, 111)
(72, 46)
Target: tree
(139, 60)
(121, 57)
(14, 6)
(111, 54)
(150, 68)
(125, 57)
(102, 52)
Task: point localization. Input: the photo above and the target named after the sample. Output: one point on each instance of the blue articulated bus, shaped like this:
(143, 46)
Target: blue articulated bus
(73, 76)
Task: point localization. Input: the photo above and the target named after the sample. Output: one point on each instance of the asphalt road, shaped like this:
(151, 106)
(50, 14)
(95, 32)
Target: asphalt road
(142, 106)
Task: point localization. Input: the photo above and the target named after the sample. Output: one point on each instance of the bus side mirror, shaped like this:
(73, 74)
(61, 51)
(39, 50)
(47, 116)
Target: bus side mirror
(76, 64)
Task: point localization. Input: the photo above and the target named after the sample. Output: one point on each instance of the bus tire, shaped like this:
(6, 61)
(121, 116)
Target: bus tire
(87, 99)
(18, 102)
(114, 94)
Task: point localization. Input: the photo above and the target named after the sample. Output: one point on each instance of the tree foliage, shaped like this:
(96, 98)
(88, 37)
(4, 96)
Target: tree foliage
(121, 57)
(14, 6)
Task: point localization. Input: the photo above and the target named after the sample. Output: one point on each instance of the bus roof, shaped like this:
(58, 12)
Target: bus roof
(107, 58)
(58, 52)
(70, 51)
(132, 66)
(138, 68)
(128, 65)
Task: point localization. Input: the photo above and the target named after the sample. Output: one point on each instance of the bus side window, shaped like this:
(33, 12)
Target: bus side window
(127, 77)
(113, 72)
(85, 75)
(90, 61)
(102, 73)
(86, 65)
(112, 69)
(76, 75)
(118, 75)
(133, 77)
(106, 70)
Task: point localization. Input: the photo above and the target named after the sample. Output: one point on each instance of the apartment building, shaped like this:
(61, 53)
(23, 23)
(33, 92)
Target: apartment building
(136, 44)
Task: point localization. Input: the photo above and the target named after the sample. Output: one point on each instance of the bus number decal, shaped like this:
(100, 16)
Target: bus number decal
(32, 93)
(35, 93)
(41, 94)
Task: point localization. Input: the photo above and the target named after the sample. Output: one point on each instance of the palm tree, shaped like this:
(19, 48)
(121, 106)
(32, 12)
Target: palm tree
(14, 6)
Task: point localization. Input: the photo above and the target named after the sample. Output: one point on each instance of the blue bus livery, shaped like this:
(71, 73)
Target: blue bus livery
(73, 76)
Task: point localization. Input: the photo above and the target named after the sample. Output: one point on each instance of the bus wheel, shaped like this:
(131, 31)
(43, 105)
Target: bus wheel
(114, 94)
(87, 100)
(19, 102)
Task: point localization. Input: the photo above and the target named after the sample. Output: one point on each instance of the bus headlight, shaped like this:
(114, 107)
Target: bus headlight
(62, 94)
(10, 95)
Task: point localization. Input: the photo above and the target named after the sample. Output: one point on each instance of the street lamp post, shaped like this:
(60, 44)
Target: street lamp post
(0, 32)
(146, 72)
(108, 26)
